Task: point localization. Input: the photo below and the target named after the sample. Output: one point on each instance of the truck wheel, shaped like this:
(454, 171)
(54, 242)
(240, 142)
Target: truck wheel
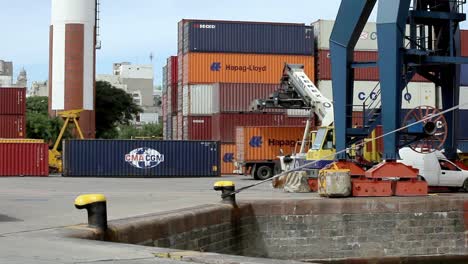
(264, 172)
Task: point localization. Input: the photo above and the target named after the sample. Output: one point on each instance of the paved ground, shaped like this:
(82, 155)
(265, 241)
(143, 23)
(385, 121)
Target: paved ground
(32, 207)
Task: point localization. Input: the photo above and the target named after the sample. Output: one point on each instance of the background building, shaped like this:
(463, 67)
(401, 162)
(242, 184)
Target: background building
(6, 76)
(137, 80)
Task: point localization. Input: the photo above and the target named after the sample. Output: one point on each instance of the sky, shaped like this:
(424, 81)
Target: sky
(133, 29)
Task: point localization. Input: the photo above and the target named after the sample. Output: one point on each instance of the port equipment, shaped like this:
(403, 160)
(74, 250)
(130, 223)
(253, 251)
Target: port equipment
(55, 156)
(96, 206)
(432, 50)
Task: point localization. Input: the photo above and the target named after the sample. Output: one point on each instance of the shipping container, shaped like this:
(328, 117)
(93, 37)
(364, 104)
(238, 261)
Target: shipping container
(208, 99)
(12, 101)
(324, 71)
(367, 40)
(265, 143)
(164, 79)
(199, 127)
(298, 112)
(172, 97)
(141, 158)
(228, 155)
(464, 74)
(24, 159)
(172, 68)
(180, 126)
(12, 126)
(464, 42)
(416, 94)
(224, 125)
(245, 37)
(240, 68)
(180, 99)
(174, 128)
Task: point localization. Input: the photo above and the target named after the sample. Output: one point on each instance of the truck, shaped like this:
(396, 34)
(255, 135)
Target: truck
(258, 149)
(436, 169)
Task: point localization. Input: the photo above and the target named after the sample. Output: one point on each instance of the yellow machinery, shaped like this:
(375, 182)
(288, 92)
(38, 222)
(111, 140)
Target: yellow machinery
(55, 157)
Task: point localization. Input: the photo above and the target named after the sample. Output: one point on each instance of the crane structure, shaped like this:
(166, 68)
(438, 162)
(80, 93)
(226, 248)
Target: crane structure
(431, 49)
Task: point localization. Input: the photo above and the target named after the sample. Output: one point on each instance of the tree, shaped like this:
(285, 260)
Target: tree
(114, 107)
(38, 123)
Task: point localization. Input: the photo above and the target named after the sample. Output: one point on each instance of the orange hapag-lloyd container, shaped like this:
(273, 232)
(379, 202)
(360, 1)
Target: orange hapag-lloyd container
(265, 143)
(240, 68)
(228, 154)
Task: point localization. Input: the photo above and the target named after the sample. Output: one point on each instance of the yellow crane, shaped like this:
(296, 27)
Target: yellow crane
(55, 156)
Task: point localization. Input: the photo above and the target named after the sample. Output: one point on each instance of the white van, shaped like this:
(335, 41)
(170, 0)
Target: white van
(436, 169)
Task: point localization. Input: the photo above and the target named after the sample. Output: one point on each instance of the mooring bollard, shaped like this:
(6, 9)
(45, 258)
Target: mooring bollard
(227, 188)
(95, 204)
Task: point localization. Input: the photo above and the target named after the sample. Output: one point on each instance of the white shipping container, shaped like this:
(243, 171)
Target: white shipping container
(185, 100)
(203, 99)
(367, 40)
(298, 113)
(149, 118)
(463, 98)
(416, 94)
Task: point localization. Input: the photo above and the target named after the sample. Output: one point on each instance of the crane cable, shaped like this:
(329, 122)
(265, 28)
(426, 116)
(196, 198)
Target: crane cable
(342, 151)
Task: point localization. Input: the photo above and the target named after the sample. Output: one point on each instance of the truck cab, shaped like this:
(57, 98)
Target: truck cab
(436, 169)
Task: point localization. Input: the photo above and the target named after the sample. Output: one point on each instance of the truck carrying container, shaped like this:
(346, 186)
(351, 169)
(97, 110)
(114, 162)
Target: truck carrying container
(258, 148)
(18, 158)
(141, 158)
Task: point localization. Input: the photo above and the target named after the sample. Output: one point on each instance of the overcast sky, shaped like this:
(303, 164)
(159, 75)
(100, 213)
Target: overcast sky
(132, 29)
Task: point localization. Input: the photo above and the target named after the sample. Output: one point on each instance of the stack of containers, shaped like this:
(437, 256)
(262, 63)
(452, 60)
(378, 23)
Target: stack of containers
(419, 91)
(164, 103)
(463, 118)
(225, 65)
(170, 99)
(12, 112)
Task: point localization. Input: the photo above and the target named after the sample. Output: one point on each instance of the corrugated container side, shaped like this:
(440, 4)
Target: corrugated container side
(418, 93)
(361, 74)
(12, 126)
(172, 70)
(164, 79)
(264, 143)
(174, 127)
(164, 106)
(180, 68)
(199, 128)
(464, 42)
(323, 30)
(141, 158)
(247, 37)
(180, 126)
(463, 125)
(165, 135)
(185, 129)
(464, 73)
(298, 112)
(224, 124)
(180, 98)
(239, 68)
(201, 99)
(24, 159)
(228, 155)
(12, 101)
(168, 128)
(238, 97)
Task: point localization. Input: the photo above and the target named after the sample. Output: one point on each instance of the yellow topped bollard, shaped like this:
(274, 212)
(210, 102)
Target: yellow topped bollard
(227, 189)
(96, 206)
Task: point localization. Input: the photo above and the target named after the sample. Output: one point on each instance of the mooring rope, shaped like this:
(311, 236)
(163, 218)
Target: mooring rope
(344, 150)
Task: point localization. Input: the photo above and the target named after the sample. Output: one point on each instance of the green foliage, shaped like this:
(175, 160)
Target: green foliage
(38, 123)
(114, 107)
(37, 104)
(146, 131)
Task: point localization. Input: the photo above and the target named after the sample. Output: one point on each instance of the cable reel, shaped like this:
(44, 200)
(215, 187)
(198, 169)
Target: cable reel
(427, 136)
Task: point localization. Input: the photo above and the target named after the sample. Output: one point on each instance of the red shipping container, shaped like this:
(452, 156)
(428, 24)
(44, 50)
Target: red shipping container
(199, 128)
(24, 159)
(362, 74)
(12, 101)
(464, 42)
(238, 97)
(12, 126)
(172, 70)
(224, 125)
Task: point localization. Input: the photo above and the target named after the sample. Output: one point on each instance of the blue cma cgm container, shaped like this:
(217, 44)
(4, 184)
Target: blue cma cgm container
(247, 37)
(141, 158)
